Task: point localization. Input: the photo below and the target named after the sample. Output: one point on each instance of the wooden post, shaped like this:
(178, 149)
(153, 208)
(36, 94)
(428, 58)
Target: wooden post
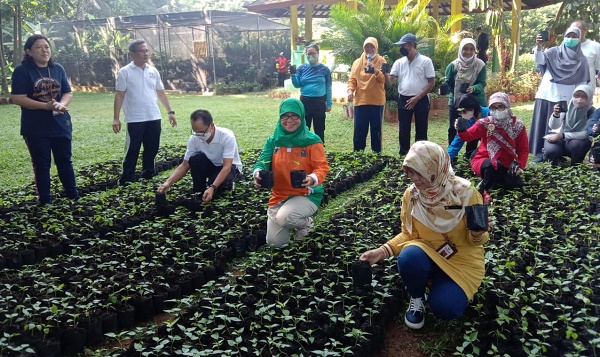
(435, 9)
(516, 19)
(308, 31)
(294, 25)
(353, 5)
(456, 8)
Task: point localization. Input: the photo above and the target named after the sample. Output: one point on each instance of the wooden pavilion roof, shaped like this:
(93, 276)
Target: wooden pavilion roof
(281, 8)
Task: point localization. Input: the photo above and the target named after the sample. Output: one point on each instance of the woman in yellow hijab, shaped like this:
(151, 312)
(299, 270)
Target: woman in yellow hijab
(366, 89)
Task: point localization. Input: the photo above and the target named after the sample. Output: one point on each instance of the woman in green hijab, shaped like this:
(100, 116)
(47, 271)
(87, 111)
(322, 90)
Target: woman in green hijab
(292, 147)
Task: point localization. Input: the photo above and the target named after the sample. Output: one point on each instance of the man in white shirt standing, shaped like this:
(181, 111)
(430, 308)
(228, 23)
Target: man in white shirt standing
(591, 50)
(416, 78)
(212, 156)
(137, 87)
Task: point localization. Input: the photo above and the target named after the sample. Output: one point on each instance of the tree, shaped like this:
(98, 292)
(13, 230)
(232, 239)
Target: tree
(534, 21)
(571, 10)
(497, 21)
(351, 28)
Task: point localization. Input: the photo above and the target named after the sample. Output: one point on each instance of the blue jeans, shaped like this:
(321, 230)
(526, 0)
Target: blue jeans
(40, 150)
(446, 298)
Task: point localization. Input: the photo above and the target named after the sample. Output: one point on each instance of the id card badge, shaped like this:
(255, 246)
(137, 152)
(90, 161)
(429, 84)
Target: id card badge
(447, 250)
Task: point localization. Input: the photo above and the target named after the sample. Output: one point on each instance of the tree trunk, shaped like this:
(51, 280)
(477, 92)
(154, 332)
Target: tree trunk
(3, 64)
(15, 41)
(20, 27)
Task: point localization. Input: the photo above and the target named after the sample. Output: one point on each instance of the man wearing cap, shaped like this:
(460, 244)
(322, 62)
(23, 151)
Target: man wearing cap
(281, 69)
(416, 78)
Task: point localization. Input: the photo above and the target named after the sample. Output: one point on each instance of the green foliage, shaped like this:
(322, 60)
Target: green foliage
(571, 10)
(374, 20)
(532, 22)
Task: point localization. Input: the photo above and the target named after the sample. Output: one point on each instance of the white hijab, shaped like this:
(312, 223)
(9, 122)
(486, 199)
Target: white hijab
(467, 69)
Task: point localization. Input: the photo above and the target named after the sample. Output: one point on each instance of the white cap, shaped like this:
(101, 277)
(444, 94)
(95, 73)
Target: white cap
(281, 53)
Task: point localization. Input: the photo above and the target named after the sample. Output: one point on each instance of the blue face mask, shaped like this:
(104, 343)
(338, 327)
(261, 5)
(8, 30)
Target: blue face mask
(313, 59)
(571, 42)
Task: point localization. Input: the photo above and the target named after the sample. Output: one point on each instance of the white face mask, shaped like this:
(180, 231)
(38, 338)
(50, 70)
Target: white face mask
(468, 114)
(203, 136)
(579, 102)
(499, 114)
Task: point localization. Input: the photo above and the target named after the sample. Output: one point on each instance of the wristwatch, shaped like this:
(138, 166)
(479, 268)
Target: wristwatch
(171, 112)
(213, 186)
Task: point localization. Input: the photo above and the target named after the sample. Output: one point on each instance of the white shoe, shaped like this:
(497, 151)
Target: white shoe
(303, 232)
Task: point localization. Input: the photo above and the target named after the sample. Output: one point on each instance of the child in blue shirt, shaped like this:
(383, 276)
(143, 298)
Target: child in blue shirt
(468, 108)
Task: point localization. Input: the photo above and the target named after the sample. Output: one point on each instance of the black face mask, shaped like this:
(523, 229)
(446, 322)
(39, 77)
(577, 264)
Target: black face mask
(403, 51)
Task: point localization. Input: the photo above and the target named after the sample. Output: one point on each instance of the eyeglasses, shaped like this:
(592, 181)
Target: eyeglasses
(293, 117)
(201, 133)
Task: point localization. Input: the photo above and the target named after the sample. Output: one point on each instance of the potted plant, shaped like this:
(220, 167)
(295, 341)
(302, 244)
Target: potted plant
(297, 176)
(220, 88)
(391, 111)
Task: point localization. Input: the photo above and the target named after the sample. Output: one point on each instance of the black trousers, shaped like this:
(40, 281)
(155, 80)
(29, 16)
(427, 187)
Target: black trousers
(148, 134)
(315, 112)
(40, 150)
(421, 113)
(492, 178)
(576, 149)
(204, 173)
(281, 78)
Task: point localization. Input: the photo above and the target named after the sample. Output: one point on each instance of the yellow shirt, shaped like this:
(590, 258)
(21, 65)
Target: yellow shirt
(368, 88)
(466, 267)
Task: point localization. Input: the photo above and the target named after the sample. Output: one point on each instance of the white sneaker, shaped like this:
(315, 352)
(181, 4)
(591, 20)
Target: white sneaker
(303, 232)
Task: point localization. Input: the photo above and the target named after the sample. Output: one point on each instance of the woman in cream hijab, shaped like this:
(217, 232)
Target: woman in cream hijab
(465, 75)
(434, 244)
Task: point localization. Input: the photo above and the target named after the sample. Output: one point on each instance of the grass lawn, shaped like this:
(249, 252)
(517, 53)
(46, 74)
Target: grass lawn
(251, 116)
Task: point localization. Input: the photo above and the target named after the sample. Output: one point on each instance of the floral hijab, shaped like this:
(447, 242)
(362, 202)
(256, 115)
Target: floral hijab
(501, 133)
(430, 206)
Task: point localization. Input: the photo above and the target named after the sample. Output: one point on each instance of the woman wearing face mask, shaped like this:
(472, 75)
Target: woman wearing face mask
(366, 87)
(571, 138)
(564, 67)
(212, 156)
(292, 147)
(503, 151)
(465, 75)
(314, 80)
